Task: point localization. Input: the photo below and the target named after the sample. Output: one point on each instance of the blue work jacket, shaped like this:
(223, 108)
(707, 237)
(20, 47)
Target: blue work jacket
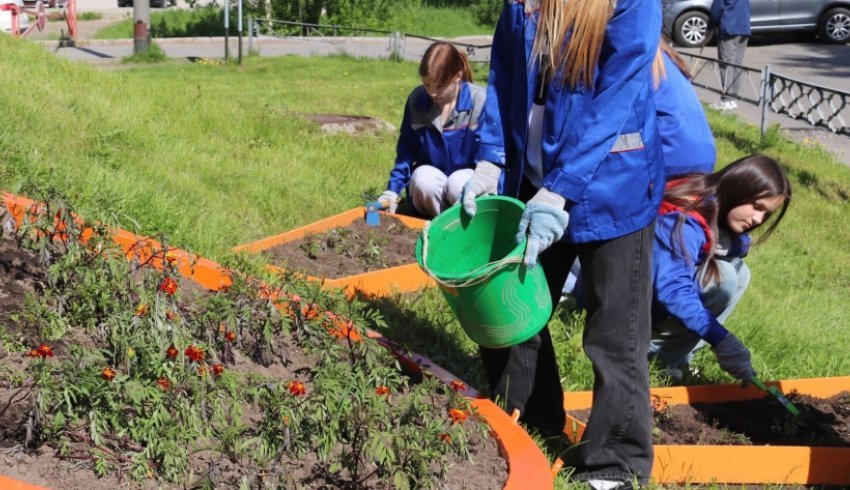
(686, 138)
(600, 144)
(676, 288)
(732, 17)
(426, 140)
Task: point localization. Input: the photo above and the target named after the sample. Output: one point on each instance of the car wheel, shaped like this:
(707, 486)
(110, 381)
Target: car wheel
(835, 26)
(691, 29)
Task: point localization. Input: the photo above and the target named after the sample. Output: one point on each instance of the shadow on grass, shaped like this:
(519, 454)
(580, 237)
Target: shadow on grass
(421, 322)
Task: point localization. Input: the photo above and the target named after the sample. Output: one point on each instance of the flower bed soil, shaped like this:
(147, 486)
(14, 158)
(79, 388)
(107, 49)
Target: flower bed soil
(349, 250)
(43, 464)
(763, 421)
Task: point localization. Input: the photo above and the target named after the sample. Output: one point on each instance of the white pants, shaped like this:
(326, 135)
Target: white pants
(432, 191)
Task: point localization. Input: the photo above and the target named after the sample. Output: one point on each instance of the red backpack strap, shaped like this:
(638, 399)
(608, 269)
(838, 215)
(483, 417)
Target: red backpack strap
(667, 207)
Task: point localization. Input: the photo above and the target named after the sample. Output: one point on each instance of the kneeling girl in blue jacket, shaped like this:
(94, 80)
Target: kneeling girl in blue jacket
(436, 149)
(701, 237)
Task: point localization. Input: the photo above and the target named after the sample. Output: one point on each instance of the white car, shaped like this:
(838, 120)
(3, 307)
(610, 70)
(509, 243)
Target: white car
(6, 17)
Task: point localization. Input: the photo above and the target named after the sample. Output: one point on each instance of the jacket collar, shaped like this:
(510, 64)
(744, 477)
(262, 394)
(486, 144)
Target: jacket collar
(464, 100)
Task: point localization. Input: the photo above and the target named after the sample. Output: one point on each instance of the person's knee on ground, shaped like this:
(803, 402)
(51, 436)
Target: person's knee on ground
(721, 296)
(427, 189)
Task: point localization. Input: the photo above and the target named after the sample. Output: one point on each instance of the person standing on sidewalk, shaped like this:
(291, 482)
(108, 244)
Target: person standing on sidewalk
(732, 18)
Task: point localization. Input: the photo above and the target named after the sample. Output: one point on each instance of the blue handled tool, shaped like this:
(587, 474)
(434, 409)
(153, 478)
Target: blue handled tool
(373, 217)
(773, 390)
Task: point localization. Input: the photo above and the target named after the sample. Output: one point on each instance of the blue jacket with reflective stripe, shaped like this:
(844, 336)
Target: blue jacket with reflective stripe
(675, 280)
(686, 137)
(732, 17)
(600, 145)
(424, 140)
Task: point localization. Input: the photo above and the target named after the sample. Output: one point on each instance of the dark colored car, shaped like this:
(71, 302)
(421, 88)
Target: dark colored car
(688, 22)
(160, 4)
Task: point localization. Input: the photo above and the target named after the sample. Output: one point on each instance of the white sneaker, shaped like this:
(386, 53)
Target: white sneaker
(731, 105)
(604, 484)
(724, 105)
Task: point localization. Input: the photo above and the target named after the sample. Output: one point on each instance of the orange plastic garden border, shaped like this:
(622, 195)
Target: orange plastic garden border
(403, 279)
(738, 464)
(527, 465)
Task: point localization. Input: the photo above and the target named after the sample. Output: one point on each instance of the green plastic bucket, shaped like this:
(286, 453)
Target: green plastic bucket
(477, 264)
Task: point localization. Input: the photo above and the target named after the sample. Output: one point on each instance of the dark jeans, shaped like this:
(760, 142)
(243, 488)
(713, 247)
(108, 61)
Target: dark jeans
(617, 278)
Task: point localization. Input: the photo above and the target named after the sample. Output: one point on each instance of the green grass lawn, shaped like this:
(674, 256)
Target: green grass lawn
(218, 155)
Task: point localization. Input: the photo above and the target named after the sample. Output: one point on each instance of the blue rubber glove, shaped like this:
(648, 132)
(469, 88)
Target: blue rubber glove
(484, 181)
(544, 221)
(734, 358)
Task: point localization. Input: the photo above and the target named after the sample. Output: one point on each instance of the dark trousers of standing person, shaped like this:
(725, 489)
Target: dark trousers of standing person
(731, 50)
(617, 443)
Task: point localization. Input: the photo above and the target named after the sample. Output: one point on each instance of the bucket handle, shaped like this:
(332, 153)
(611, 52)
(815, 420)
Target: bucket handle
(473, 278)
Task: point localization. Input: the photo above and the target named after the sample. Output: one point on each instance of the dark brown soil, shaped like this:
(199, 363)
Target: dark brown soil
(350, 250)
(821, 423)
(19, 274)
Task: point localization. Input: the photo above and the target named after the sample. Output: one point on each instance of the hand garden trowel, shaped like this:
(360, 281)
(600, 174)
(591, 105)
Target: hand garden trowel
(773, 390)
(373, 217)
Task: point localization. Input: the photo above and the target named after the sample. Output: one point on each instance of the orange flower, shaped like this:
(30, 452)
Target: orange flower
(230, 336)
(168, 286)
(297, 388)
(446, 438)
(457, 416)
(195, 354)
(382, 391)
(457, 385)
(171, 314)
(171, 352)
(311, 311)
(142, 309)
(42, 351)
(108, 374)
(217, 370)
(202, 371)
(170, 257)
(45, 350)
(164, 384)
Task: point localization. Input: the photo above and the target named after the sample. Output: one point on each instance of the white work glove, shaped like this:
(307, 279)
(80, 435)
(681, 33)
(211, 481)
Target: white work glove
(484, 181)
(734, 358)
(544, 220)
(390, 200)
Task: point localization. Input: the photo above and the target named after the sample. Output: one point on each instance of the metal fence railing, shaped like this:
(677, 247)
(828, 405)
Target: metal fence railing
(401, 45)
(818, 105)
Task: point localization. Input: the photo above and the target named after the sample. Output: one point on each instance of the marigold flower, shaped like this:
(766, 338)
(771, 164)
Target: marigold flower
(446, 438)
(142, 309)
(171, 314)
(457, 385)
(297, 388)
(217, 370)
(168, 286)
(382, 391)
(170, 257)
(108, 374)
(34, 353)
(311, 311)
(164, 384)
(45, 350)
(195, 354)
(230, 336)
(202, 371)
(457, 416)
(171, 352)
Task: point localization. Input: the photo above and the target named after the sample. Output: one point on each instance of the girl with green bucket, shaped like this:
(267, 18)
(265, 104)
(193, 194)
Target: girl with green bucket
(569, 126)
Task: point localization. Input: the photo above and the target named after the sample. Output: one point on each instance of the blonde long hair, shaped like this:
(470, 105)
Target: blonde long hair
(659, 72)
(585, 22)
